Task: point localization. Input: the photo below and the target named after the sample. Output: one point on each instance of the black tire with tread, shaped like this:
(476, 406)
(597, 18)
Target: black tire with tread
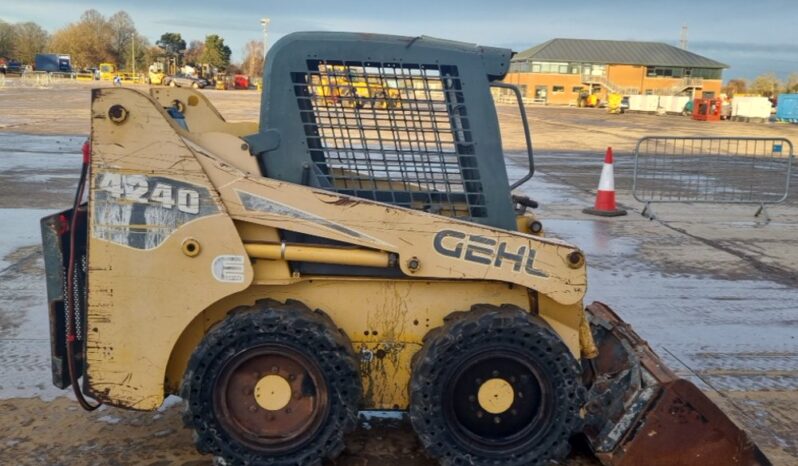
(487, 324)
(268, 321)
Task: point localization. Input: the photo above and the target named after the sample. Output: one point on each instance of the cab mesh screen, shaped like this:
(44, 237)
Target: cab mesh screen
(395, 133)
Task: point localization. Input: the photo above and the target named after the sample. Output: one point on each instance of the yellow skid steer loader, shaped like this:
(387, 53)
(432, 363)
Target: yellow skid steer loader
(281, 277)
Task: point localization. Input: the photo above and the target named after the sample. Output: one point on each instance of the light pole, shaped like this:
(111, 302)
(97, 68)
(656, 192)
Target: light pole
(265, 23)
(133, 51)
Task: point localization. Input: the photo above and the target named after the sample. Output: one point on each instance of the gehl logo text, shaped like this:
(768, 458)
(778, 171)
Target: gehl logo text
(487, 251)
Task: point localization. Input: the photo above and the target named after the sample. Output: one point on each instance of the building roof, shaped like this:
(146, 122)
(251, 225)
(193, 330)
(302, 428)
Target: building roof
(616, 52)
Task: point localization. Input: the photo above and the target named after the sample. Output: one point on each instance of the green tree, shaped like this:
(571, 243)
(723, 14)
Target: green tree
(216, 53)
(29, 39)
(7, 39)
(172, 43)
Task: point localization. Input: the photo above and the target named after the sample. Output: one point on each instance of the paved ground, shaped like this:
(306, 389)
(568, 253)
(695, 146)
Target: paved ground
(712, 289)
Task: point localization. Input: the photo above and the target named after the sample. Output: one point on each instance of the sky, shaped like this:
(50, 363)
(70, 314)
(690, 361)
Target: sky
(751, 37)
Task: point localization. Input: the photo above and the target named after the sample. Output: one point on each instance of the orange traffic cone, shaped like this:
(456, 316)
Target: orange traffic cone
(605, 198)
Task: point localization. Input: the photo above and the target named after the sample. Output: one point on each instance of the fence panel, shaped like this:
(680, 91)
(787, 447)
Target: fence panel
(712, 169)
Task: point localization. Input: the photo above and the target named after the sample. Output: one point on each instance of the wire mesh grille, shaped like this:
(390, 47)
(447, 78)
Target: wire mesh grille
(714, 169)
(395, 133)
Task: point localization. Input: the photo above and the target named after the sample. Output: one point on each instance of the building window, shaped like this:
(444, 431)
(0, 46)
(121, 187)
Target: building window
(577, 89)
(707, 73)
(678, 72)
(509, 93)
(519, 67)
(594, 70)
(557, 89)
(649, 92)
(554, 68)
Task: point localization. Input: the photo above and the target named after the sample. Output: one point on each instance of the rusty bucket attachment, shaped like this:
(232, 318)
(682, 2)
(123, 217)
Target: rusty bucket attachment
(640, 413)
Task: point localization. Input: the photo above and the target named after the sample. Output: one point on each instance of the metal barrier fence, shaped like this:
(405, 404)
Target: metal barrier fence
(712, 170)
(40, 79)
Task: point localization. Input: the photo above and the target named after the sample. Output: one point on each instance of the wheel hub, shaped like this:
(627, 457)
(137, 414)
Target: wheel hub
(496, 395)
(272, 398)
(497, 398)
(273, 393)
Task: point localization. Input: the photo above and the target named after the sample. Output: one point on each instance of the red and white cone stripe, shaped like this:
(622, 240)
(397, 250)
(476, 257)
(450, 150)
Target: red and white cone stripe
(605, 198)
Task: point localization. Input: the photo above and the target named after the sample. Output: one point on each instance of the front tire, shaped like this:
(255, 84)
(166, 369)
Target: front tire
(495, 386)
(273, 384)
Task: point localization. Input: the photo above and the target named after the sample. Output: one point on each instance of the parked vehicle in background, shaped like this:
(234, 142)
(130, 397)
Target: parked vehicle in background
(14, 67)
(241, 81)
(107, 71)
(53, 63)
(184, 80)
(157, 74)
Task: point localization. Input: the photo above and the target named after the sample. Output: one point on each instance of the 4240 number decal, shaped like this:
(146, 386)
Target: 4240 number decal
(138, 189)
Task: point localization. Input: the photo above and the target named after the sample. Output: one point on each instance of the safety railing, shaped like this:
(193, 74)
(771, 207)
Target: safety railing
(721, 170)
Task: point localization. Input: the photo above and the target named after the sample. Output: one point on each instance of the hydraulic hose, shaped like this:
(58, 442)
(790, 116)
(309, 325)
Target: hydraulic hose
(72, 316)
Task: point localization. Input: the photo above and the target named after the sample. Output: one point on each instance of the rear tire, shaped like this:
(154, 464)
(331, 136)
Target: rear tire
(274, 384)
(495, 386)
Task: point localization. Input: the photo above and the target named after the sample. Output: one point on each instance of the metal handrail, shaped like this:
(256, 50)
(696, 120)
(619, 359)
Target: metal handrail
(520, 98)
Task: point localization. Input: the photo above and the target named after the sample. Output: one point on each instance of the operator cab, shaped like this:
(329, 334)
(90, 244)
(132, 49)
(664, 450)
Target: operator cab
(341, 112)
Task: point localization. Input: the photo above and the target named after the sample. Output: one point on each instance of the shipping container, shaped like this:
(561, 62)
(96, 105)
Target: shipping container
(787, 109)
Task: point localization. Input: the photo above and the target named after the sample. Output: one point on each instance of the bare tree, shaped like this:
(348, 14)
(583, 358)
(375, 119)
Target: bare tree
(88, 41)
(253, 58)
(792, 84)
(123, 34)
(195, 50)
(29, 39)
(766, 84)
(735, 86)
(7, 39)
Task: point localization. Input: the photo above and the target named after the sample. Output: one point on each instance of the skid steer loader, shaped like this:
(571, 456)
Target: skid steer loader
(281, 277)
